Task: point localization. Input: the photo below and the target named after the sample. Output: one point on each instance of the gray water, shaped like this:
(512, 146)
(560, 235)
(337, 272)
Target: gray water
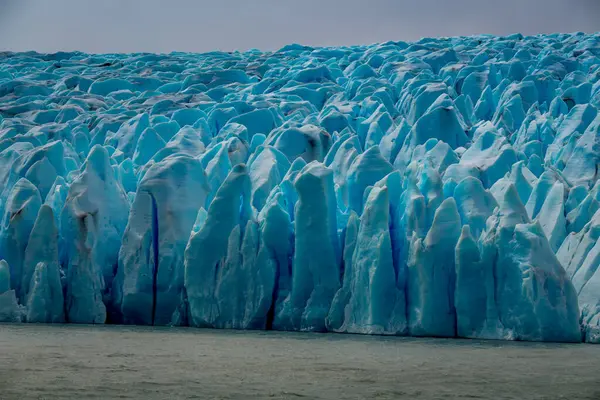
(106, 362)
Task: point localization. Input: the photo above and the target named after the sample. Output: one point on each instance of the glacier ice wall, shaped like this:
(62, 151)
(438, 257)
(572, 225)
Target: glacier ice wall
(447, 187)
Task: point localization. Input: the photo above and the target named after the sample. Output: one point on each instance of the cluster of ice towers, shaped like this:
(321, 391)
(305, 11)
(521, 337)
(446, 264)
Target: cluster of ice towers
(447, 187)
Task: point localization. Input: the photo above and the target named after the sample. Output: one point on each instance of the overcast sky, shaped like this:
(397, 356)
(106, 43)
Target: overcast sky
(204, 25)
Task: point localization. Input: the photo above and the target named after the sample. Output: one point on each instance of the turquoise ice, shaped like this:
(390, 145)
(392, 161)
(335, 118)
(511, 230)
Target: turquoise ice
(447, 187)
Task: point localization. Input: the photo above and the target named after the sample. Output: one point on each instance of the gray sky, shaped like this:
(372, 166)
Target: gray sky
(204, 25)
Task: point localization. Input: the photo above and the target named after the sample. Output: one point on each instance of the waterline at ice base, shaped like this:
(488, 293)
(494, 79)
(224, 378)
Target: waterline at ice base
(447, 187)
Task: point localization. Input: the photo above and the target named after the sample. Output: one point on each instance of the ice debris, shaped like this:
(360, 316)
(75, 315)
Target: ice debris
(447, 187)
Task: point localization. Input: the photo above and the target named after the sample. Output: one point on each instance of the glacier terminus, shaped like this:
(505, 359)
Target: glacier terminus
(447, 187)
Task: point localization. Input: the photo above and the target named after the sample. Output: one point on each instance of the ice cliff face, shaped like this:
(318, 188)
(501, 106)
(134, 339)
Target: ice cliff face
(447, 187)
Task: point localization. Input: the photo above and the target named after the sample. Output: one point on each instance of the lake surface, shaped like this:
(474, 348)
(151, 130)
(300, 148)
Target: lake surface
(106, 362)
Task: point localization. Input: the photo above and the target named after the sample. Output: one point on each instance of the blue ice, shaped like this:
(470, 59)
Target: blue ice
(447, 187)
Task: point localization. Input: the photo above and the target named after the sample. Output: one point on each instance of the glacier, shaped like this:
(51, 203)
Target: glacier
(447, 187)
